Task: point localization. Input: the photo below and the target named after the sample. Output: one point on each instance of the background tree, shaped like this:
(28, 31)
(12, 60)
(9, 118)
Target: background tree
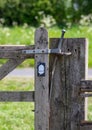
(79, 8)
(33, 12)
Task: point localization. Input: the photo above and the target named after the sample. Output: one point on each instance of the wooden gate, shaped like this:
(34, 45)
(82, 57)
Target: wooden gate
(60, 81)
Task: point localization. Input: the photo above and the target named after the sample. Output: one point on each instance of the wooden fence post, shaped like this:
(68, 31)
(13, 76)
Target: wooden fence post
(41, 81)
(66, 104)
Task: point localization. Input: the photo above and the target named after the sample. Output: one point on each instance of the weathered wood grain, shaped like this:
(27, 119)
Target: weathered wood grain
(86, 86)
(13, 47)
(16, 96)
(86, 95)
(41, 83)
(15, 52)
(86, 125)
(16, 57)
(66, 106)
(10, 65)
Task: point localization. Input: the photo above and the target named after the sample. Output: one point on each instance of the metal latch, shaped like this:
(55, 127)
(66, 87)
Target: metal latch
(46, 51)
(49, 51)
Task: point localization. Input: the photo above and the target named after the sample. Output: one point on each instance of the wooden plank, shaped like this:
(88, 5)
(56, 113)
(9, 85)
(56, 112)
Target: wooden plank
(86, 95)
(15, 51)
(86, 125)
(16, 96)
(85, 90)
(14, 54)
(41, 82)
(86, 86)
(66, 106)
(15, 47)
(10, 65)
(8, 54)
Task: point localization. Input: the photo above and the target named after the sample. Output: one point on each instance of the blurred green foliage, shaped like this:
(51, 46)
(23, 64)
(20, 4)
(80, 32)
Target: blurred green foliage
(24, 11)
(37, 12)
(80, 8)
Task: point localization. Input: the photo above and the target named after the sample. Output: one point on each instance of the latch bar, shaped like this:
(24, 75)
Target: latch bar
(49, 51)
(46, 51)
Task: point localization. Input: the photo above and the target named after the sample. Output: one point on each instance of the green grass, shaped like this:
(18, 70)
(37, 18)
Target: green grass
(90, 108)
(16, 115)
(17, 35)
(25, 36)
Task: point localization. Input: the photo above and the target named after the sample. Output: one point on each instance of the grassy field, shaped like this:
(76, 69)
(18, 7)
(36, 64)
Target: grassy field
(25, 35)
(19, 115)
(16, 115)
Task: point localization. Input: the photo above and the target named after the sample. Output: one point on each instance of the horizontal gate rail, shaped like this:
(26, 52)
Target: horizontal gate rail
(16, 96)
(16, 47)
(86, 125)
(83, 123)
(15, 52)
(86, 95)
(86, 86)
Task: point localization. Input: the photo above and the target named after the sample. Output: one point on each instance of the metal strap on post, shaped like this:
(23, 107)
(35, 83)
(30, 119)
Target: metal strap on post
(49, 51)
(46, 51)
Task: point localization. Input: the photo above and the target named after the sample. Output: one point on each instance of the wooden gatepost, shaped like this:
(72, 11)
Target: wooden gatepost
(60, 80)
